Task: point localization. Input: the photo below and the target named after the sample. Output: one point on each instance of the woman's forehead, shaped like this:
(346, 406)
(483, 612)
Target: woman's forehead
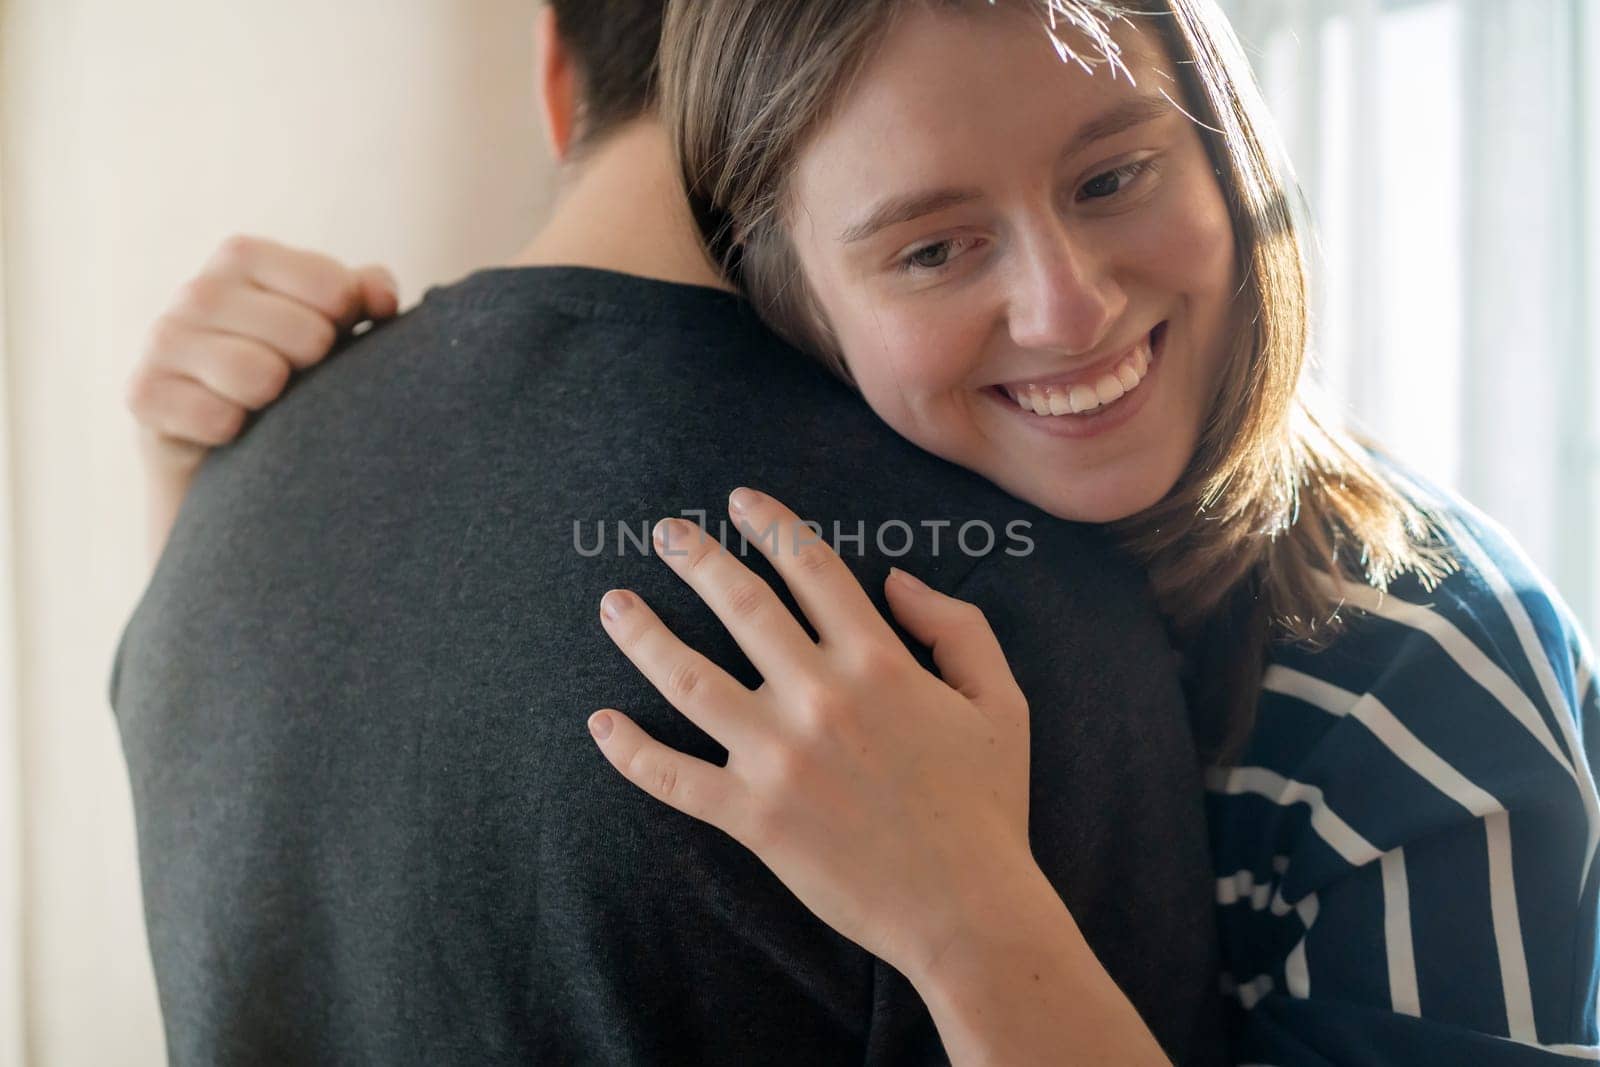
(931, 54)
(948, 80)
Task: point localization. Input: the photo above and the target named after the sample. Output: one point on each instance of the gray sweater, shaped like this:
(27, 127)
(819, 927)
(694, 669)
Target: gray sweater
(372, 826)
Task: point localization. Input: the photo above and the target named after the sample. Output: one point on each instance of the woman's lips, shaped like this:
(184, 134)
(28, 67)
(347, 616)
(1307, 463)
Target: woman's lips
(1086, 390)
(1079, 416)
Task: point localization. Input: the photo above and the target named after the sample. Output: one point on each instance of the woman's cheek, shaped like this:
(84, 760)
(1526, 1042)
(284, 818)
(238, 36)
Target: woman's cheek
(1147, 238)
(916, 351)
(1201, 241)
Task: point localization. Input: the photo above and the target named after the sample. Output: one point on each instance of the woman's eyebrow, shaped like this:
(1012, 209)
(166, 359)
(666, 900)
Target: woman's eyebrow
(900, 209)
(1134, 111)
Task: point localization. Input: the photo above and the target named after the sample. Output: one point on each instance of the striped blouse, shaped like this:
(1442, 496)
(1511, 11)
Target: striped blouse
(1406, 848)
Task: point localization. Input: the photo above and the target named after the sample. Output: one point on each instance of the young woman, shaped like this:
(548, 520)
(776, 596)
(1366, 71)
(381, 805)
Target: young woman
(1047, 240)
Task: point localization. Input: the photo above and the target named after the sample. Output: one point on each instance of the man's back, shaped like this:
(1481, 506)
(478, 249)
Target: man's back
(373, 827)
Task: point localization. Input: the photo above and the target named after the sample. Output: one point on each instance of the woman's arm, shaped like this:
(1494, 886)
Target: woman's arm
(892, 803)
(256, 313)
(1017, 984)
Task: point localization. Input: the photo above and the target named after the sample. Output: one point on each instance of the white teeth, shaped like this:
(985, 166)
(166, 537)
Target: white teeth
(1123, 379)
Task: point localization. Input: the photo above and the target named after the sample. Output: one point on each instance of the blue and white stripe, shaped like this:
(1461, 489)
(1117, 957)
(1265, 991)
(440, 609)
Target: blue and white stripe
(1406, 850)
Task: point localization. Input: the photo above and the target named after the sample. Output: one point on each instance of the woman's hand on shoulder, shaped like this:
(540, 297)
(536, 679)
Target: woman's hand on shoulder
(888, 800)
(227, 345)
(234, 333)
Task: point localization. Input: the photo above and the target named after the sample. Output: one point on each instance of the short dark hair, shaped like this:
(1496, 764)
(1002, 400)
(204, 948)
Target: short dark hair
(613, 44)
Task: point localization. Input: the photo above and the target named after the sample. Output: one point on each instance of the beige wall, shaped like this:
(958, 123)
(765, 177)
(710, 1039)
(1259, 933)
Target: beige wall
(135, 136)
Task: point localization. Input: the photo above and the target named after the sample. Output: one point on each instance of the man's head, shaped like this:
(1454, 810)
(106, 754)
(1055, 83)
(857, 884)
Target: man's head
(597, 67)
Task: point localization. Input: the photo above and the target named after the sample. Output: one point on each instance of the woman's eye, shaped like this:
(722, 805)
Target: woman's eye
(933, 259)
(1112, 182)
(930, 257)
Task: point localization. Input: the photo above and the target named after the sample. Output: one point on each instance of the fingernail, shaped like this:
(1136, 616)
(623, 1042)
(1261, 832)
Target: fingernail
(910, 581)
(614, 603)
(661, 531)
(743, 499)
(600, 725)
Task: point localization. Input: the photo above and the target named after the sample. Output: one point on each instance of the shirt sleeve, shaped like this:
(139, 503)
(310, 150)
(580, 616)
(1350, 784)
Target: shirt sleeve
(1406, 851)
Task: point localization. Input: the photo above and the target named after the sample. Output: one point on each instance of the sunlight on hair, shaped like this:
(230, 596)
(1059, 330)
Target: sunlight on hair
(1093, 23)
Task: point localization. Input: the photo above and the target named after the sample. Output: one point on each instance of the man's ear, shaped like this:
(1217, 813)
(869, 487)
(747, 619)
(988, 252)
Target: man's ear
(558, 83)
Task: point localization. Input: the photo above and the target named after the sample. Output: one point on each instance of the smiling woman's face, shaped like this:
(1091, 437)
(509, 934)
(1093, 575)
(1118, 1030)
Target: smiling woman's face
(1028, 268)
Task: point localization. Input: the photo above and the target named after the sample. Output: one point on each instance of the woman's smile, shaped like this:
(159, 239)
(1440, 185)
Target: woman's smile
(1094, 400)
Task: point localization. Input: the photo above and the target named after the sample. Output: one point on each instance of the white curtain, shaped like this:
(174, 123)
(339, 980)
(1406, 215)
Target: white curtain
(1448, 154)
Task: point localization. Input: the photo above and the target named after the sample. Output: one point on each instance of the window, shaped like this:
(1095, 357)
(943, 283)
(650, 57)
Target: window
(1447, 151)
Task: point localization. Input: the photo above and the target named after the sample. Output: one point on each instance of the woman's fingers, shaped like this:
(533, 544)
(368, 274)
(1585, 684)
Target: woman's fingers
(238, 369)
(706, 694)
(302, 333)
(699, 789)
(380, 295)
(321, 283)
(232, 338)
(965, 649)
(764, 628)
(838, 608)
(183, 411)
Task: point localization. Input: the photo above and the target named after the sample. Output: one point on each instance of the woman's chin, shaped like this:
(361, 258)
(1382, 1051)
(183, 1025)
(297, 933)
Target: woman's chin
(1101, 498)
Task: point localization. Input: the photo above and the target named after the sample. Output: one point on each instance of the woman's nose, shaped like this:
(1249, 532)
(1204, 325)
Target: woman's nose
(1063, 296)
